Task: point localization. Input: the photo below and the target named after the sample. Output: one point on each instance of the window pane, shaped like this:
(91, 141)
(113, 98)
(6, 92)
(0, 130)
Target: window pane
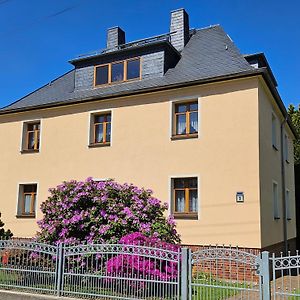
(288, 209)
(178, 183)
(108, 118)
(193, 201)
(29, 188)
(102, 75)
(193, 106)
(192, 182)
(193, 122)
(36, 126)
(31, 140)
(133, 69)
(274, 132)
(117, 72)
(181, 108)
(99, 133)
(30, 127)
(179, 201)
(108, 129)
(181, 124)
(99, 119)
(38, 140)
(275, 201)
(27, 203)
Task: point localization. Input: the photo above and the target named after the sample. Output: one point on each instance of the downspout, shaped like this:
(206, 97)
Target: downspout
(285, 238)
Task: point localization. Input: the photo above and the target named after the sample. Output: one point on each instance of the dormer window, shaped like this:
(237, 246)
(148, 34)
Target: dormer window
(125, 70)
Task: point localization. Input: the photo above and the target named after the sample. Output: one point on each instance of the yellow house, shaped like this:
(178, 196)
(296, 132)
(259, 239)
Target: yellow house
(184, 113)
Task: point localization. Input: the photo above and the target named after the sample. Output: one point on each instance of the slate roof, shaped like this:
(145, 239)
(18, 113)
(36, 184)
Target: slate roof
(210, 53)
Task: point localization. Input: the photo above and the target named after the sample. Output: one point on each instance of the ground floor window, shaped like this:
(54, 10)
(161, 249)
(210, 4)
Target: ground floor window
(27, 200)
(185, 197)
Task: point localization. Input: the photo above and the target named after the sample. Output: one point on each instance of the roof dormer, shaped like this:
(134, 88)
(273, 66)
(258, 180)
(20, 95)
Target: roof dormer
(122, 62)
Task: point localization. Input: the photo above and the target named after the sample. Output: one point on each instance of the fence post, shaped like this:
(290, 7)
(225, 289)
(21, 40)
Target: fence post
(265, 275)
(59, 271)
(184, 272)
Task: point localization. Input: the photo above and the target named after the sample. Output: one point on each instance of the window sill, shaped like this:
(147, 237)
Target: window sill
(186, 216)
(275, 147)
(29, 151)
(99, 145)
(25, 216)
(184, 136)
(96, 86)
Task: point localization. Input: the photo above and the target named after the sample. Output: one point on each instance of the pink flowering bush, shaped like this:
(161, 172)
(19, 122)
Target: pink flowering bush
(138, 261)
(102, 212)
(149, 262)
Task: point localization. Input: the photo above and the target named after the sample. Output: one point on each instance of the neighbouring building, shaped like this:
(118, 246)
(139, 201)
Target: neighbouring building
(184, 113)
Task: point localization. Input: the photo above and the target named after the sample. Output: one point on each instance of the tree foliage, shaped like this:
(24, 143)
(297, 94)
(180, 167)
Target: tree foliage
(294, 114)
(4, 234)
(102, 212)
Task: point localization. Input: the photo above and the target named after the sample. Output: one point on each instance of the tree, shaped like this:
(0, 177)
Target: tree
(102, 212)
(295, 118)
(4, 234)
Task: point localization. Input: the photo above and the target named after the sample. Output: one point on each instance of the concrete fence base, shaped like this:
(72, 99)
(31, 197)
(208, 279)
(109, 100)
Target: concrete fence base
(14, 295)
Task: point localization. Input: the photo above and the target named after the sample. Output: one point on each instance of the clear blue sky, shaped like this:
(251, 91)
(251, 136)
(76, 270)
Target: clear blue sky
(38, 37)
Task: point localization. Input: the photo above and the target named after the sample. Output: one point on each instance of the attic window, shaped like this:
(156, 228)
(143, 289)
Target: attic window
(125, 70)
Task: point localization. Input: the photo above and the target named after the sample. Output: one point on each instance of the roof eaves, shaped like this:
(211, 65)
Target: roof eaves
(45, 85)
(122, 50)
(249, 73)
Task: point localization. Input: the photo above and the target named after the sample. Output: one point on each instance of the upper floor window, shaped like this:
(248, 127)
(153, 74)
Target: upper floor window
(125, 70)
(185, 197)
(27, 200)
(274, 132)
(186, 119)
(101, 129)
(288, 205)
(31, 136)
(286, 148)
(275, 201)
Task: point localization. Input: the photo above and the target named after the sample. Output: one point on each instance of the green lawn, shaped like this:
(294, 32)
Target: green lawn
(211, 288)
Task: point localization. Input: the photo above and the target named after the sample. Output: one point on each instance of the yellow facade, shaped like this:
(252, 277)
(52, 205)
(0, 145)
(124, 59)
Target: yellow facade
(232, 153)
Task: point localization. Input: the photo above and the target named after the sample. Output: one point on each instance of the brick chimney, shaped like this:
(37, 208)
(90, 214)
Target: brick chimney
(115, 37)
(179, 28)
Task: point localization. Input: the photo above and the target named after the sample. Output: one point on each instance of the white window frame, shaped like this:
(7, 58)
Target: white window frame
(19, 193)
(286, 148)
(288, 204)
(24, 132)
(274, 132)
(170, 188)
(91, 123)
(275, 201)
(179, 100)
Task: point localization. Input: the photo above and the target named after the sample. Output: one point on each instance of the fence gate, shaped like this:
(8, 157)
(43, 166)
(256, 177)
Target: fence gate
(28, 266)
(120, 272)
(285, 283)
(224, 273)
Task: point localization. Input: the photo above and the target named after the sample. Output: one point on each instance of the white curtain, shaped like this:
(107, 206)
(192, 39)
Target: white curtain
(99, 134)
(181, 124)
(193, 201)
(27, 203)
(179, 201)
(194, 122)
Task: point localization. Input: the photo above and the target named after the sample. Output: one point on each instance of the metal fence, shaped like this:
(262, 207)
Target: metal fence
(28, 266)
(286, 276)
(109, 271)
(91, 271)
(120, 271)
(224, 273)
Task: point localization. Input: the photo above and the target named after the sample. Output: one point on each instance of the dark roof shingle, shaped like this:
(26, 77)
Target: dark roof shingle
(210, 53)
